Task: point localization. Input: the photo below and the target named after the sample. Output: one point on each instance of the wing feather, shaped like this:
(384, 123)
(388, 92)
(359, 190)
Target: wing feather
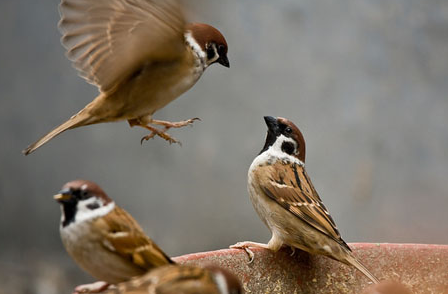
(107, 40)
(124, 236)
(290, 186)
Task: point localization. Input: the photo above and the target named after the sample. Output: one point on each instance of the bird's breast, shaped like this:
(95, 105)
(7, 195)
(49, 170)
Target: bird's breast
(154, 86)
(88, 248)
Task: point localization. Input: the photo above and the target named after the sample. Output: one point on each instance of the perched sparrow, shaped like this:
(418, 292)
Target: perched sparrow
(140, 54)
(387, 287)
(102, 238)
(182, 279)
(285, 199)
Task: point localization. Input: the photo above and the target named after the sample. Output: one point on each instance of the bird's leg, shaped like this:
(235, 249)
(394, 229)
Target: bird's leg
(96, 287)
(274, 245)
(161, 133)
(178, 124)
(246, 244)
(154, 131)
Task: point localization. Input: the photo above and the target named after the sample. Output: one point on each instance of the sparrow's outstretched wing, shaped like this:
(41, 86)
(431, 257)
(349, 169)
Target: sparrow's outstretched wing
(124, 236)
(107, 40)
(289, 185)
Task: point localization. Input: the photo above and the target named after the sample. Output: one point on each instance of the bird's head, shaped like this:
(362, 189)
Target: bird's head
(208, 43)
(81, 201)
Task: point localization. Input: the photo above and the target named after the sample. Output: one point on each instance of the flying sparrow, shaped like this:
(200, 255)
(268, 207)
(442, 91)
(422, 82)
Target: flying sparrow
(102, 238)
(140, 54)
(285, 199)
(181, 279)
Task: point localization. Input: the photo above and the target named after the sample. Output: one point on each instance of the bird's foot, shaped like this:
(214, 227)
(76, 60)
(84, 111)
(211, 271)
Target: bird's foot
(96, 287)
(179, 124)
(161, 133)
(245, 246)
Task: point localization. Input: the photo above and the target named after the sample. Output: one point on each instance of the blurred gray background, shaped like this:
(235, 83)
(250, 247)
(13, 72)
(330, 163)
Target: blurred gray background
(365, 80)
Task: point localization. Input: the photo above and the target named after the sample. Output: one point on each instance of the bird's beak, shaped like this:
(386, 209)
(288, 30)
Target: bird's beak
(272, 123)
(223, 60)
(63, 195)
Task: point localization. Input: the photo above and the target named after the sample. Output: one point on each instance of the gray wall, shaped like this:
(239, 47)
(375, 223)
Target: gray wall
(366, 81)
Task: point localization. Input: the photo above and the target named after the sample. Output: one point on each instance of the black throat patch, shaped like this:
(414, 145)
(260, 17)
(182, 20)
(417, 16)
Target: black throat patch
(69, 209)
(270, 140)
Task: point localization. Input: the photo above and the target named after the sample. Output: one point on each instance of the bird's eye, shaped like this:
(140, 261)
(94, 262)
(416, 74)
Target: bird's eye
(288, 130)
(221, 48)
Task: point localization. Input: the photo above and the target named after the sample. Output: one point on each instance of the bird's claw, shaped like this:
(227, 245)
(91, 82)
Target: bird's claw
(162, 135)
(191, 121)
(250, 253)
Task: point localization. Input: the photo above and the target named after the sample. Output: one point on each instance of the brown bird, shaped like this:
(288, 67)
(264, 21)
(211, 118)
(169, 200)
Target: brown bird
(182, 279)
(102, 238)
(285, 199)
(140, 54)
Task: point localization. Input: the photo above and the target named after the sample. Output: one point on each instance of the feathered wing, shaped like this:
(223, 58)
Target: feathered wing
(125, 237)
(107, 40)
(169, 280)
(290, 186)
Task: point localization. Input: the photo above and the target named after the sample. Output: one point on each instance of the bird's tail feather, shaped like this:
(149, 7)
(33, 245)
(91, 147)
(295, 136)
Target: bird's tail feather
(356, 263)
(82, 118)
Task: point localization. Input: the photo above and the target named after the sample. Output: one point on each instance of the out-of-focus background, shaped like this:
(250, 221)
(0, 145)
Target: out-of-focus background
(366, 81)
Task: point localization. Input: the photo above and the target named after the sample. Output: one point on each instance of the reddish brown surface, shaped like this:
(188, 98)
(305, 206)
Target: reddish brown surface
(423, 268)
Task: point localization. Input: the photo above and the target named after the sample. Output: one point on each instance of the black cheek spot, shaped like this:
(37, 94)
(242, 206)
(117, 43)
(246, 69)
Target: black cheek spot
(288, 148)
(93, 206)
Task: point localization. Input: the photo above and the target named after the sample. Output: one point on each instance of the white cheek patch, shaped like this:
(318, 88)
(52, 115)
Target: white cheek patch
(201, 59)
(84, 213)
(275, 153)
(210, 61)
(194, 45)
(277, 146)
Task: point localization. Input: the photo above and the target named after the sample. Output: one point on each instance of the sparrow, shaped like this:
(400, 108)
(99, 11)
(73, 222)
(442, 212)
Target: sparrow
(102, 238)
(287, 202)
(181, 279)
(141, 54)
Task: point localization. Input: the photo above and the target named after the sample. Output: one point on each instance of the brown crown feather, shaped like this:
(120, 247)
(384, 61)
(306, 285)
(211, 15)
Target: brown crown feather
(205, 34)
(297, 136)
(91, 187)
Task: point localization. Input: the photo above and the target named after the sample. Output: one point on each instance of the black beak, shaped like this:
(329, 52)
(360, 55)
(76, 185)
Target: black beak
(63, 195)
(223, 60)
(272, 124)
